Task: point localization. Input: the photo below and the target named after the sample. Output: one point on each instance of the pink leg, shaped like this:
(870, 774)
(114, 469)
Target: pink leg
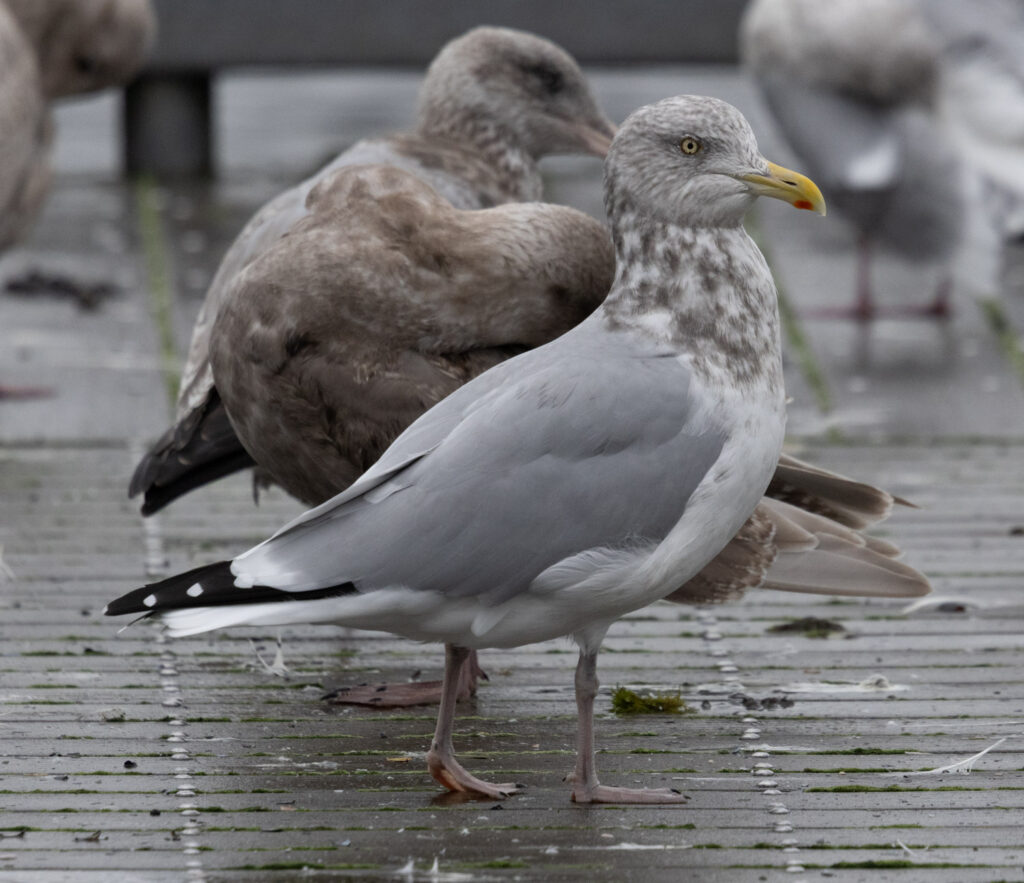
(24, 392)
(586, 788)
(940, 307)
(864, 308)
(404, 695)
(441, 758)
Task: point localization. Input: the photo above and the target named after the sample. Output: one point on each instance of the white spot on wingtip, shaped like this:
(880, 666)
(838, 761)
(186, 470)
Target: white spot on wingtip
(244, 581)
(194, 591)
(149, 600)
(106, 607)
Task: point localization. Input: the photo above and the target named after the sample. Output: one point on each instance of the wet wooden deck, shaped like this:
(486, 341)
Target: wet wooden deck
(125, 757)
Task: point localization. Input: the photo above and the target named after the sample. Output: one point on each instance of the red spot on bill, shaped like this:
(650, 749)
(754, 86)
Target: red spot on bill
(804, 204)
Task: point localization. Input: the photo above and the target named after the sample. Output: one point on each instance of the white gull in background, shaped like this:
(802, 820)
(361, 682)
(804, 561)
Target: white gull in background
(571, 484)
(900, 110)
(493, 102)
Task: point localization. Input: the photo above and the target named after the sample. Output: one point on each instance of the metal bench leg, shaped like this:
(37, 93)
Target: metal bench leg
(168, 125)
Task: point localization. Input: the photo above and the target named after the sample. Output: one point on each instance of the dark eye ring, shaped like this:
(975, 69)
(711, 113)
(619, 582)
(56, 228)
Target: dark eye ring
(85, 65)
(690, 145)
(547, 76)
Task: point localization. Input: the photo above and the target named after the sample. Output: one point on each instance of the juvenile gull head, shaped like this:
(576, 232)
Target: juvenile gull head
(86, 45)
(515, 87)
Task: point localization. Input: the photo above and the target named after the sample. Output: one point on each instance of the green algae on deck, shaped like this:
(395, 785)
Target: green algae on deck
(626, 702)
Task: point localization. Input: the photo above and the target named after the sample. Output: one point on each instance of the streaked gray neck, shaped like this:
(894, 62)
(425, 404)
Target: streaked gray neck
(512, 167)
(705, 291)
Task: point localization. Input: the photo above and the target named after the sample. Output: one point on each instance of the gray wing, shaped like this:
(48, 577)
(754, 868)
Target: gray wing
(499, 482)
(887, 169)
(846, 143)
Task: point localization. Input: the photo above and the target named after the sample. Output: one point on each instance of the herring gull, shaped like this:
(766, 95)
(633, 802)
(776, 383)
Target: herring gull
(493, 102)
(334, 365)
(573, 483)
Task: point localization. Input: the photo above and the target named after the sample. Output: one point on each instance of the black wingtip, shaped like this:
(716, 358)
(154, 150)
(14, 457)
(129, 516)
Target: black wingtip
(162, 490)
(212, 585)
(199, 448)
(174, 592)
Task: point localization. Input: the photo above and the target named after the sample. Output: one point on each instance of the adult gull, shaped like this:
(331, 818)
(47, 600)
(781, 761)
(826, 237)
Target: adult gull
(576, 482)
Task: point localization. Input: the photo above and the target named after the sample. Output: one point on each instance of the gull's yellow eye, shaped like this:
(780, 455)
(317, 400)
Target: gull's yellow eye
(690, 146)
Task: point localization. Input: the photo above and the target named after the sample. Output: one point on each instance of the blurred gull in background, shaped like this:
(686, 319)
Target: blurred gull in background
(910, 113)
(50, 49)
(86, 45)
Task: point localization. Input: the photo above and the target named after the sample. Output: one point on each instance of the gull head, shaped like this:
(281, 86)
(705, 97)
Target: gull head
(86, 45)
(693, 161)
(529, 89)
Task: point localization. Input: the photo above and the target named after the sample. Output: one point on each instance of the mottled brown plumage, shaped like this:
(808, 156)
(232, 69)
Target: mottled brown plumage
(379, 303)
(85, 45)
(805, 536)
(24, 132)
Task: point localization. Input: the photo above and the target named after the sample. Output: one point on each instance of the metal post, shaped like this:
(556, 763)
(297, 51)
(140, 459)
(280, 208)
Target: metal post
(168, 125)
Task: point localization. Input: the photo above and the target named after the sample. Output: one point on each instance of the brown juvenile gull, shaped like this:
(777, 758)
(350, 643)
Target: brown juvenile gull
(50, 49)
(381, 301)
(571, 484)
(24, 132)
(493, 102)
(86, 45)
(852, 85)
